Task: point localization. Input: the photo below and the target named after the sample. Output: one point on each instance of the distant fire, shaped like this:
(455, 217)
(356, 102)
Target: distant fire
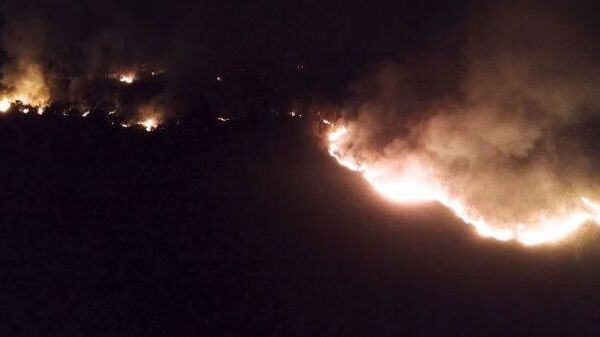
(4, 105)
(149, 124)
(27, 84)
(26, 87)
(127, 77)
(26, 90)
(412, 180)
(150, 116)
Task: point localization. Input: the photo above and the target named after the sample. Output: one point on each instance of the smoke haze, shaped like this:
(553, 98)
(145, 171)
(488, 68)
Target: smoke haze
(512, 140)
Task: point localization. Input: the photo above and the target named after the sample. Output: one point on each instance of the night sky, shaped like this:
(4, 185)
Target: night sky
(249, 227)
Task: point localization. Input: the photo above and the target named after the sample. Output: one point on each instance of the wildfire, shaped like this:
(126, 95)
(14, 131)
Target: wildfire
(4, 105)
(414, 181)
(127, 78)
(593, 206)
(150, 124)
(26, 89)
(150, 116)
(25, 86)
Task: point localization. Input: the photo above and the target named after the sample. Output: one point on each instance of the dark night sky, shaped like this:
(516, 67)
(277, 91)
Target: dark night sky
(335, 40)
(251, 229)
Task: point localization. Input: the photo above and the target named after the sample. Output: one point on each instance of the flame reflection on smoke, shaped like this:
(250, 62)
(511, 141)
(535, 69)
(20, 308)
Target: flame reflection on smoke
(413, 180)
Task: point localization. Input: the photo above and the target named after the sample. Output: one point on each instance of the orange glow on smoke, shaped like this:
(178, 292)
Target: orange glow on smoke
(414, 181)
(150, 124)
(27, 85)
(149, 116)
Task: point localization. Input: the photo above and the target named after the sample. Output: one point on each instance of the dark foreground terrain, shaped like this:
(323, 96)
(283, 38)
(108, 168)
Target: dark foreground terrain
(212, 230)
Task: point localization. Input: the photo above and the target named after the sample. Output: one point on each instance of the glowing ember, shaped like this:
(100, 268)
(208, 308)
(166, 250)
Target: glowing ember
(85, 114)
(149, 124)
(223, 119)
(413, 180)
(4, 105)
(25, 111)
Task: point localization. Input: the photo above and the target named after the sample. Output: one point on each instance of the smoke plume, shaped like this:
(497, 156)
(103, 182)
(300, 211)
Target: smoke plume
(24, 76)
(512, 142)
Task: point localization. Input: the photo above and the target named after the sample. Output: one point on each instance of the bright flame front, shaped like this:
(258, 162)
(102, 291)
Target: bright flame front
(149, 124)
(4, 105)
(413, 180)
(127, 78)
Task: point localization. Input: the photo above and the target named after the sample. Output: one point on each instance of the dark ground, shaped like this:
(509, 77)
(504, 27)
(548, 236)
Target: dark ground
(209, 231)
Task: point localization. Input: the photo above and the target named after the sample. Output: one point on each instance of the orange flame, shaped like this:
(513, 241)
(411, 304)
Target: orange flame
(27, 84)
(414, 181)
(150, 116)
(4, 104)
(127, 77)
(150, 124)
